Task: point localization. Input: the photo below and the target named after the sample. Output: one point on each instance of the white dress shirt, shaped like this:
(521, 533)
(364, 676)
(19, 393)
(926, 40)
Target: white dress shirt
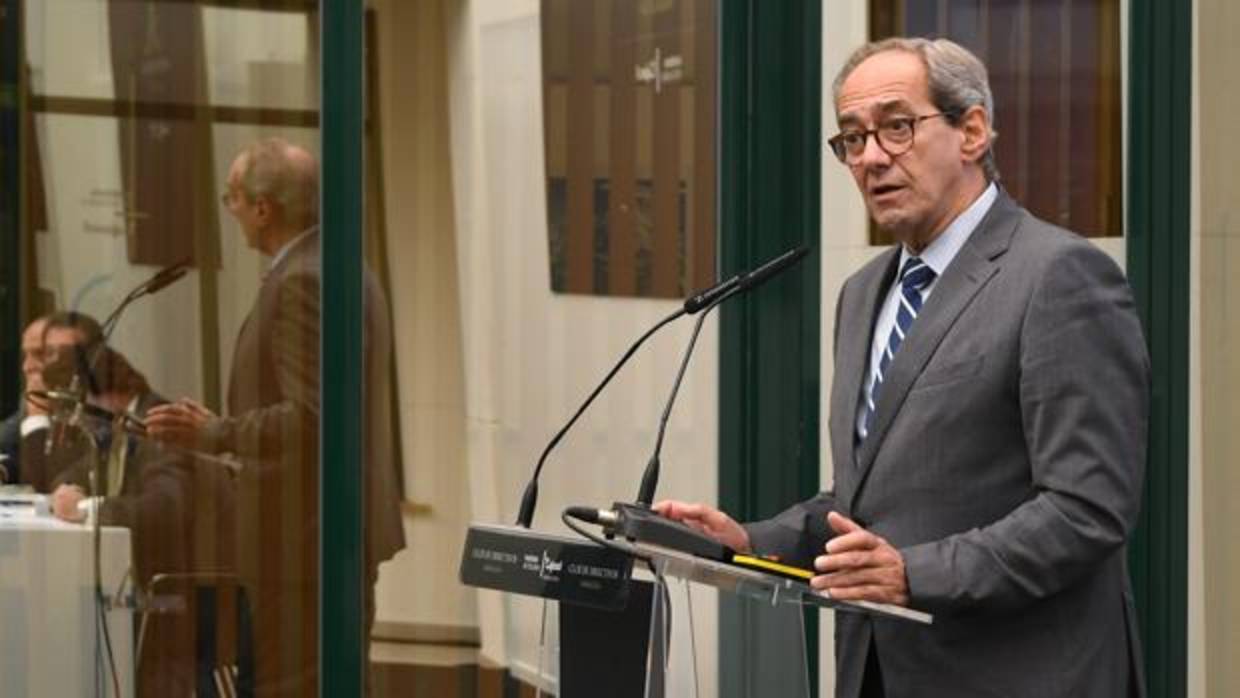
(937, 255)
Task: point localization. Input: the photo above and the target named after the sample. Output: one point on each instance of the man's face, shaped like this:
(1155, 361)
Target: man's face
(250, 215)
(59, 343)
(58, 360)
(912, 195)
(32, 352)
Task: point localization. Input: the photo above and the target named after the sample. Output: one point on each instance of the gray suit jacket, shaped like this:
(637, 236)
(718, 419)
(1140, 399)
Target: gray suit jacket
(1005, 461)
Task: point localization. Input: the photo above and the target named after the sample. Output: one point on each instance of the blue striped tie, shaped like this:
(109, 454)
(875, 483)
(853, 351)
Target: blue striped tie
(915, 277)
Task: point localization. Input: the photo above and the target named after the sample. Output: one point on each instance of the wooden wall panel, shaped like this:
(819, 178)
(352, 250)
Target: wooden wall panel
(630, 126)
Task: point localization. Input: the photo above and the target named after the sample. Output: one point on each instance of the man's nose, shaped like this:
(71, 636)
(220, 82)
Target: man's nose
(873, 155)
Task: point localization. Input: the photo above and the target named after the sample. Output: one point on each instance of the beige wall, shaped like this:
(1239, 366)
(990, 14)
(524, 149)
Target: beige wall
(419, 588)
(1217, 182)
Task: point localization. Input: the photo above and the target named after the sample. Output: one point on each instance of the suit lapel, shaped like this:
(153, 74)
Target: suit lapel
(973, 266)
(856, 335)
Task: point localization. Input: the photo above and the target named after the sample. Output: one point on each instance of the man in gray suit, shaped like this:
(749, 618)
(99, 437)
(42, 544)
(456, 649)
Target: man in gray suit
(988, 415)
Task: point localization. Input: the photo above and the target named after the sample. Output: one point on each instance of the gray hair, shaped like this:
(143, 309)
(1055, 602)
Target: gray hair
(956, 78)
(286, 174)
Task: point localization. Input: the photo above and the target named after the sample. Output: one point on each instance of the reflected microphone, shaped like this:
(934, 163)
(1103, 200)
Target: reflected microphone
(161, 279)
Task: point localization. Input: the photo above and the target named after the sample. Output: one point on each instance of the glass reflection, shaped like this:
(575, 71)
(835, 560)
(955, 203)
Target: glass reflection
(167, 432)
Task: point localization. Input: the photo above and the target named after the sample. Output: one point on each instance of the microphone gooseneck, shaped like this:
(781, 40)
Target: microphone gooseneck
(529, 499)
(701, 302)
(709, 299)
(650, 477)
(160, 280)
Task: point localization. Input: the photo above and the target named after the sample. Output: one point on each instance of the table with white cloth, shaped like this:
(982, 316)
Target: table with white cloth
(50, 641)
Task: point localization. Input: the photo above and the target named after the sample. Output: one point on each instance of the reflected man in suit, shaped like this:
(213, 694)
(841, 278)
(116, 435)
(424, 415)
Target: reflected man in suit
(11, 427)
(54, 349)
(988, 415)
(272, 424)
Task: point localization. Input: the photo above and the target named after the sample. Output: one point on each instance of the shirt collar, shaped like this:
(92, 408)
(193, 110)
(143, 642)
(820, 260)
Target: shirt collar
(288, 246)
(942, 251)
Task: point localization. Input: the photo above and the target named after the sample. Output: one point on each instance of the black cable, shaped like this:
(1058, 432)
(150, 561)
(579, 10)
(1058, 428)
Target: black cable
(571, 513)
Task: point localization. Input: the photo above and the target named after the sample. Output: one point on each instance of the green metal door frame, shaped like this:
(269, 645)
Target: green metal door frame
(770, 164)
(341, 624)
(1159, 173)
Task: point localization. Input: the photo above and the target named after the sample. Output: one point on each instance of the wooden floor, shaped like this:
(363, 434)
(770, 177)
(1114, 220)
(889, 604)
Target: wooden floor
(412, 670)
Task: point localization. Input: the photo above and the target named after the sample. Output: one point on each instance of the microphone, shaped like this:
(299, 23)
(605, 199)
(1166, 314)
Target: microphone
(529, 499)
(744, 280)
(703, 300)
(167, 277)
(163, 278)
(744, 283)
(636, 521)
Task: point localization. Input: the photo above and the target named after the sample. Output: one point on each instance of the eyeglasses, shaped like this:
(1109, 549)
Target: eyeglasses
(894, 136)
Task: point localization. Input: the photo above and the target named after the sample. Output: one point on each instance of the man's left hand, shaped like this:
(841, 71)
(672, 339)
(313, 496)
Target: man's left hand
(860, 566)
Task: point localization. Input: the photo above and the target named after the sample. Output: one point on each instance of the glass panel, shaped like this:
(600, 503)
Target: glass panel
(170, 260)
(1055, 74)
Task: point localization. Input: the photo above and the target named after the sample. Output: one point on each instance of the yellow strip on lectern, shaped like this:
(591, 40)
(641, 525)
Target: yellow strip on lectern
(770, 566)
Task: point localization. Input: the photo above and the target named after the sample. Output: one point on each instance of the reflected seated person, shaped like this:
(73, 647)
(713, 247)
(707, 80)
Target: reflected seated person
(143, 488)
(140, 484)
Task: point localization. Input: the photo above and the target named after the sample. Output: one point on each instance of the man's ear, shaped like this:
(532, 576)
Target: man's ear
(977, 136)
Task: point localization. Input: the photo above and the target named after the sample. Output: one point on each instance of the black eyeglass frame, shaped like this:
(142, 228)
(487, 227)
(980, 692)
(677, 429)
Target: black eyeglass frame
(836, 142)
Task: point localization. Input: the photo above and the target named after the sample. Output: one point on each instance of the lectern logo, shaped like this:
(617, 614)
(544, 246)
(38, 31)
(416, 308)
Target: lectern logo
(550, 569)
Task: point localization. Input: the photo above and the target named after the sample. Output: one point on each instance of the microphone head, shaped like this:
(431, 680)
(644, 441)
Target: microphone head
(774, 267)
(167, 277)
(702, 299)
(744, 281)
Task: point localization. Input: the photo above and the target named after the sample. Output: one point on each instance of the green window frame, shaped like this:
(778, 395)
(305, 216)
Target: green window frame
(342, 665)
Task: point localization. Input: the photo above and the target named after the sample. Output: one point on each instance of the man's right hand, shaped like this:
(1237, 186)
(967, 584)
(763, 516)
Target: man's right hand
(180, 422)
(65, 503)
(708, 520)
